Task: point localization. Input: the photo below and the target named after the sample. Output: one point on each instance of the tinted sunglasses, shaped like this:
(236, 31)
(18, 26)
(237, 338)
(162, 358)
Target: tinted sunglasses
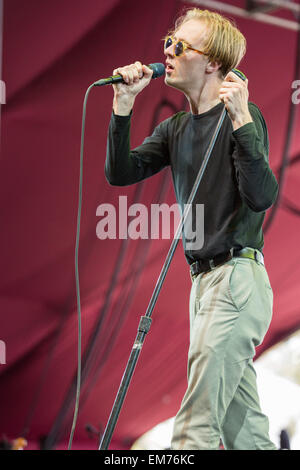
(180, 46)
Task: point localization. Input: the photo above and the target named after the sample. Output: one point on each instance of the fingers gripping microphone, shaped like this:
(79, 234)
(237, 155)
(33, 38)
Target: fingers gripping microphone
(158, 71)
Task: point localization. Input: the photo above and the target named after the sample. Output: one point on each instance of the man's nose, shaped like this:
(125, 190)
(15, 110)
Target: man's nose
(169, 51)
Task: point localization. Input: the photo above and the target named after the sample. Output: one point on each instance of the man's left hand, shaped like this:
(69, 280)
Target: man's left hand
(234, 94)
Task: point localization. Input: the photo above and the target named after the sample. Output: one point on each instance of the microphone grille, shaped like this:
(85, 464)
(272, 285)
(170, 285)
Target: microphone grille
(158, 69)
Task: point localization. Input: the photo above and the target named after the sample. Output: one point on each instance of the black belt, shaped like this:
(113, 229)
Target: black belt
(204, 265)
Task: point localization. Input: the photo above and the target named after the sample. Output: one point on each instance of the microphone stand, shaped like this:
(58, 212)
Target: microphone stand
(145, 320)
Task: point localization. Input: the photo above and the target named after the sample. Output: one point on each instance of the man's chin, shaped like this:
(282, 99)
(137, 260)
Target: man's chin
(171, 81)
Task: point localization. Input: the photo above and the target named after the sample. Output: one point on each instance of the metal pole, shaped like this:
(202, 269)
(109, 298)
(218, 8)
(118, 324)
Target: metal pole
(145, 321)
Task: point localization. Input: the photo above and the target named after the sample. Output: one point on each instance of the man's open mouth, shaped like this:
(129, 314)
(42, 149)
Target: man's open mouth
(169, 67)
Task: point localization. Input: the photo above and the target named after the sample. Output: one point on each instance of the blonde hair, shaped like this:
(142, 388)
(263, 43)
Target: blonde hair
(224, 43)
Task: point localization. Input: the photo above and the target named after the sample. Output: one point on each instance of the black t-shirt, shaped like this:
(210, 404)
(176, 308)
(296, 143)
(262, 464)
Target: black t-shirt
(237, 186)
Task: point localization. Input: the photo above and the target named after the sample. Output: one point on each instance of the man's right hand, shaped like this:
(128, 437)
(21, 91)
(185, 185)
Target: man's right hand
(136, 77)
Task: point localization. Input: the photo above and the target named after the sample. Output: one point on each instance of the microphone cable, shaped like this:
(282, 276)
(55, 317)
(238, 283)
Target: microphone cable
(158, 70)
(77, 270)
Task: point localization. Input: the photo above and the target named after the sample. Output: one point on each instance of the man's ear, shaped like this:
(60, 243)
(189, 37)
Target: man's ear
(212, 66)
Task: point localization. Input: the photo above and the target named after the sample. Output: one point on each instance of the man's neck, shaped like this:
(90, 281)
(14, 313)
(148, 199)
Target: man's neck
(203, 107)
(203, 99)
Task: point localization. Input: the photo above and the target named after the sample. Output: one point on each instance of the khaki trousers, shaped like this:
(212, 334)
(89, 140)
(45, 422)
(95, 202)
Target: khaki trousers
(230, 312)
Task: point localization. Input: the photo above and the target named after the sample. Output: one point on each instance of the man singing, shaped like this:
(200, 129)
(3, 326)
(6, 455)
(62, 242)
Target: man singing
(231, 298)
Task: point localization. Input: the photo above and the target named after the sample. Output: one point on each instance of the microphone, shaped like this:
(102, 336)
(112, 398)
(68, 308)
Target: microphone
(158, 71)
